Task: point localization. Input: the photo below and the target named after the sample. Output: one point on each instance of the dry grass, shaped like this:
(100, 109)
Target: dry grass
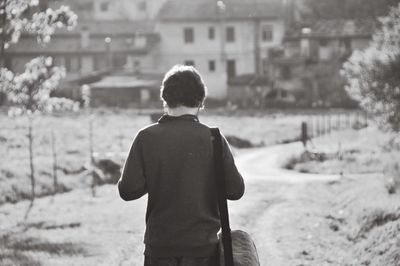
(364, 209)
(363, 151)
(113, 132)
(16, 249)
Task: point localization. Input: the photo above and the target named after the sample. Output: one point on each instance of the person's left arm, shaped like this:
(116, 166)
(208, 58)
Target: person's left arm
(132, 183)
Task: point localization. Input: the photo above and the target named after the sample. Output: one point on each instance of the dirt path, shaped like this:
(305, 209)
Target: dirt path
(275, 193)
(76, 229)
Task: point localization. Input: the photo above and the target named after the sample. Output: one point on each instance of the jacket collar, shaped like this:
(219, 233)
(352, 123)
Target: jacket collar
(188, 117)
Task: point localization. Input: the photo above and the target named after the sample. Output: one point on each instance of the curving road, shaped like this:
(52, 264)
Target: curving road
(110, 231)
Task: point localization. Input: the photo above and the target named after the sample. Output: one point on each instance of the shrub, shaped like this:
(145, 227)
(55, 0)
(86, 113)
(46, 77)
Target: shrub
(373, 74)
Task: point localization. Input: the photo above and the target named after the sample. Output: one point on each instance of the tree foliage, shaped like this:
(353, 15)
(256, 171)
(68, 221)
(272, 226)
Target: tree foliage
(19, 16)
(373, 75)
(30, 91)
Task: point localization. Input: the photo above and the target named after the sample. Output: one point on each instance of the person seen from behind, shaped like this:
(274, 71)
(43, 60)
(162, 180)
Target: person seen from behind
(172, 160)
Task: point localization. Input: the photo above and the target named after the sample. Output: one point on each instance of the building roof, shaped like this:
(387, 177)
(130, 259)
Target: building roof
(251, 80)
(332, 28)
(125, 82)
(123, 34)
(110, 27)
(72, 45)
(208, 10)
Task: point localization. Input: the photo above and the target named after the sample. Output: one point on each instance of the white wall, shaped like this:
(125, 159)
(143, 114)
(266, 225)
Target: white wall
(173, 50)
(127, 9)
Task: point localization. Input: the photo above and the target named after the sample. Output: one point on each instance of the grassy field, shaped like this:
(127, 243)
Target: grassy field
(365, 151)
(352, 220)
(113, 132)
(362, 223)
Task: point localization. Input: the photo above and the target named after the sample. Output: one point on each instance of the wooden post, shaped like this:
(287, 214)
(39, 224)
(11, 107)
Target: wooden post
(329, 123)
(304, 134)
(32, 167)
(54, 153)
(3, 33)
(120, 138)
(358, 117)
(86, 93)
(92, 161)
(348, 120)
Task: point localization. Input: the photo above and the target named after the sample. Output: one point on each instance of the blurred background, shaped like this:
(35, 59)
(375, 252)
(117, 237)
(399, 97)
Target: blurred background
(306, 91)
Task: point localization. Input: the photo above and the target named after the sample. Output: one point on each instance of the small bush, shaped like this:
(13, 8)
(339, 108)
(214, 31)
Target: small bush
(239, 142)
(392, 178)
(306, 156)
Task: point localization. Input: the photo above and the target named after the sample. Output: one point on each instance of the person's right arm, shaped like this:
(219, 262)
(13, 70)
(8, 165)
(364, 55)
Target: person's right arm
(233, 179)
(132, 183)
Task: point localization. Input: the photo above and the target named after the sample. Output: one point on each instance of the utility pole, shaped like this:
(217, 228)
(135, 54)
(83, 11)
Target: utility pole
(3, 17)
(221, 13)
(257, 54)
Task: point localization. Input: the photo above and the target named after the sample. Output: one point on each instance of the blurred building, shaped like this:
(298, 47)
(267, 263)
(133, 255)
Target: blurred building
(111, 9)
(324, 40)
(221, 39)
(124, 89)
(249, 51)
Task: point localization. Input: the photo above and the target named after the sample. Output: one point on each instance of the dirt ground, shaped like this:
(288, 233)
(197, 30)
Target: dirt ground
(295, 219)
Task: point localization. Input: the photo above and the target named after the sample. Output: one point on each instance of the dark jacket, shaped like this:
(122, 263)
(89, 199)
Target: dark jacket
(172, 161)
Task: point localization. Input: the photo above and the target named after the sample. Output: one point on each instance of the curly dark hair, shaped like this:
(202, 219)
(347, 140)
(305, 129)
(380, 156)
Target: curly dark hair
(183, 86)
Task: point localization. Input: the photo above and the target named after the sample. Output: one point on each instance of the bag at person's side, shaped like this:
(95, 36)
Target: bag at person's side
(243, 247)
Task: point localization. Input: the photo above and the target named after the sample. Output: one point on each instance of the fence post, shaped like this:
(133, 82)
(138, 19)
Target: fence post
(304, 134)
(92, 161)
(348, 120)
(55, 166)
(86, 94)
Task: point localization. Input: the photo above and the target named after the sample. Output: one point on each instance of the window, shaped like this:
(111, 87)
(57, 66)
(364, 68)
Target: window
(211, 33)
(8, 63)
(142, 5)
(230, 34)
(72, 63)
(267, 33)
(211, 65)
(119, 60)
(85, 6)
(286, 72)
(231, 68)
(188, 35)
(67, 63)
(104, 6)
(189, 63)
(323, 43)
(347, 44)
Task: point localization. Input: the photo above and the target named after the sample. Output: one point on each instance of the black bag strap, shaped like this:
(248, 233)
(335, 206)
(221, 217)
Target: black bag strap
(221, 193)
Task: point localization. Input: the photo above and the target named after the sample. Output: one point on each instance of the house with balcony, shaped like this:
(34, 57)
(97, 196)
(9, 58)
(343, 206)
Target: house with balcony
(308, 66)
(328, 39)
(222, 39)
(110, 9)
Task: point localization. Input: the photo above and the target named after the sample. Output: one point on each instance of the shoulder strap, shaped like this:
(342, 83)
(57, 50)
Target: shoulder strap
(221, 191)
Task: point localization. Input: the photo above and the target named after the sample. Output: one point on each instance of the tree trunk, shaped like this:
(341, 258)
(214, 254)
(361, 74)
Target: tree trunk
(3, 33)
(32, 174)
(92, 161)
(54, 153)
